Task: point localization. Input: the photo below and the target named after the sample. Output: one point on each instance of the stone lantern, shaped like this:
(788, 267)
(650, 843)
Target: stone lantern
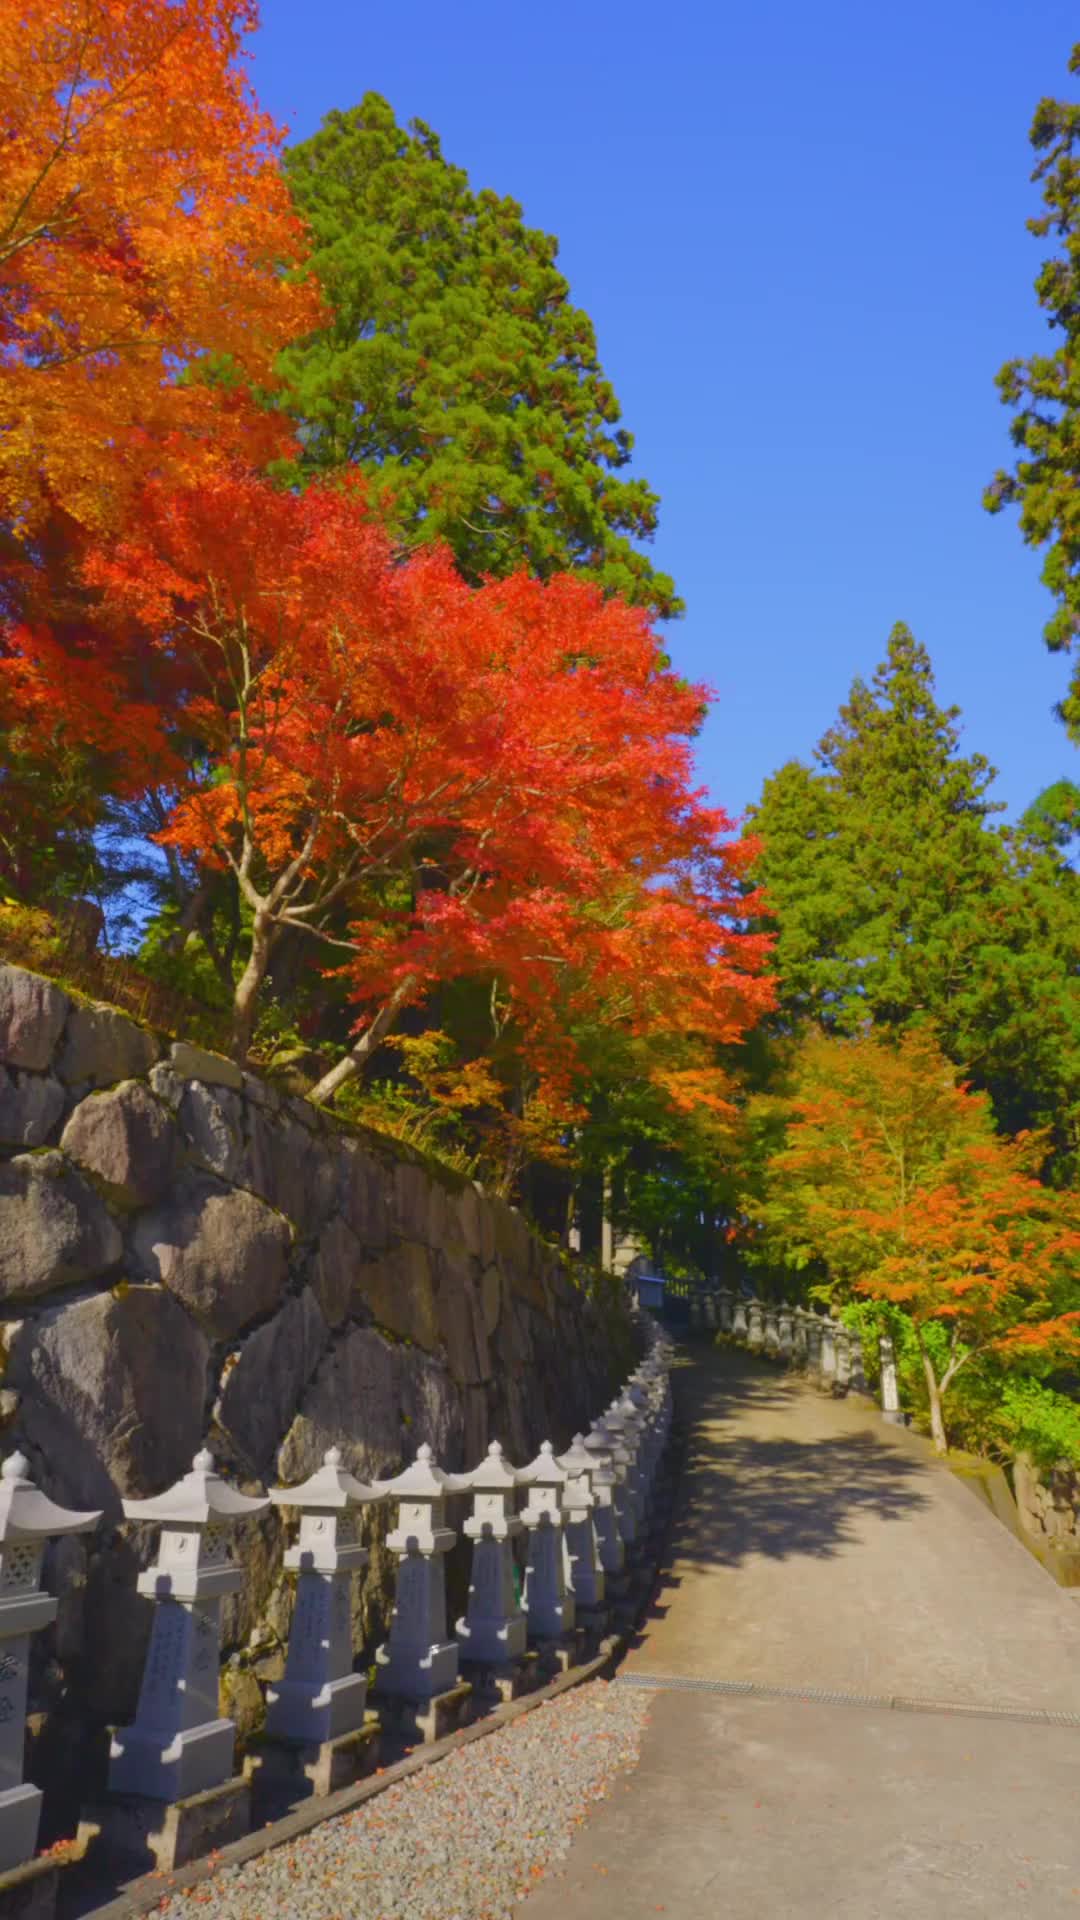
(738, 1316)
(418, 1664)
(608, 1433)
(549, 1607)
(494, 1629)
(799, 1340)
(755, 1337)
(785, 1331)
(843, 1358)
(320, 1702)
(771, 1337)
(813, 1343)
(603, 1478)
(725, 1309)
(828, 1354)
(27, 1520)
(178, 1744)
(583, 1569)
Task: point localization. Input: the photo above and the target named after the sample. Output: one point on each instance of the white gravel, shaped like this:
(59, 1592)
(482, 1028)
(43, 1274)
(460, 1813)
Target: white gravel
(464, 1839)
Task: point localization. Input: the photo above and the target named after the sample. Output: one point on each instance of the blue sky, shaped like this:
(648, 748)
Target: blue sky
(800, 234)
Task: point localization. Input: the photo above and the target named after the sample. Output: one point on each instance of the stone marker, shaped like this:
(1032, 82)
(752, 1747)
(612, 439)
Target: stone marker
(171, 1770)
(584, 1572)
(493, 1631)
(843, 1358)
(316, 1712)
(27, 1520)
(828, 1354)
(784, 1331)
(890, 1396)
(738, 1319)
(603, 1481)
(418, 1665)
(799, 1340)
(549, 1606)
(755, 1336)
(771, 1339)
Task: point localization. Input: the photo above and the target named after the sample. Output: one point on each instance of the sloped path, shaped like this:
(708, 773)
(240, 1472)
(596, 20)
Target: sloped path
(818, 1550)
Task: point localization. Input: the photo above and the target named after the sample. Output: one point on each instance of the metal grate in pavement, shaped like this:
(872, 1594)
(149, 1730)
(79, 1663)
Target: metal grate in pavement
(826, 1696)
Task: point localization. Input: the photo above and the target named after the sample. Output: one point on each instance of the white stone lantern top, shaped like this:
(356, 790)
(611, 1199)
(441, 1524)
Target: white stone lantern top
(576, 1459)
(493, 1485)
(423, 1480)
(201, 1499)
(27, 1514)
(196, 1517)
(327, 1502)
(545, 1470)
(330, 1489)
(421, 1495)
(493, 1475)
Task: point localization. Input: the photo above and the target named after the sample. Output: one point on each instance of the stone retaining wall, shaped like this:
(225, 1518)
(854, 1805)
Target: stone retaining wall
(186, 1252)
(1049, 1503)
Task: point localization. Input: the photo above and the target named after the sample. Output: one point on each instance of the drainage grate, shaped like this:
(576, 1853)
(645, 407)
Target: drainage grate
(832, 1697)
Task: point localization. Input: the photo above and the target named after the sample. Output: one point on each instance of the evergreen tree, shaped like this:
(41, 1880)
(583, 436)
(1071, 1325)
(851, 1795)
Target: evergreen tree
(895, 898)
(454, 367)
(1044, 391)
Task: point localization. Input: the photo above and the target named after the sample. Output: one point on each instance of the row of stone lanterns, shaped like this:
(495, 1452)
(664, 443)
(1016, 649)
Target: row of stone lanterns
(173, 1793)
(816, 1344)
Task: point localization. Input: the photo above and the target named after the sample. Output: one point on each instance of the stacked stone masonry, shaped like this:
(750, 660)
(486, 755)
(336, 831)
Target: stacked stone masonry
(190, 1257)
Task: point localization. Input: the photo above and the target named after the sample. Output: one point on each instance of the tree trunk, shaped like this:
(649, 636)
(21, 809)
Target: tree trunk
(358, 1056)
(246, 996)
(933, 1392)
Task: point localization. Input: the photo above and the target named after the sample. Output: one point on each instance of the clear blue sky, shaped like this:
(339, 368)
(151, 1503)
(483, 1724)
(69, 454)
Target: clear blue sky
(800, 233)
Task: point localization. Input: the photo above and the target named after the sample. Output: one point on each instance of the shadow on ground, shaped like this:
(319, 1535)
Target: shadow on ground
(750, 1493)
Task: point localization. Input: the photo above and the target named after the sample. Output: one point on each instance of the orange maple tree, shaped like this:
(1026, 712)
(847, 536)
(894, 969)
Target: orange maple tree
(435, 781)
(144, 225)
(893, 1175)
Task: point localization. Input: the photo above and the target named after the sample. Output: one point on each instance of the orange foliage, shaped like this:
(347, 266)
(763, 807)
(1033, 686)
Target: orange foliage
(143, 224)
(443, 780)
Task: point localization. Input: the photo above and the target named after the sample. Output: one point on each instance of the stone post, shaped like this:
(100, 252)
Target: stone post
(784, 1331)
(610, 1434)
(549, 1606)
(890, 1395)
(583, 1570)
(755, 1337)
(738, 1318)
(725, 1309)
(603, 1479)
(27, 1520)
(493, 1630)
(858, 1365)
(843, 1358)
(316, 1712)
(771, 1340)
(418, 1664)
(799, 1340)
(828, 1354)
(174, 1764)
(813, 1344)
(624, 1422)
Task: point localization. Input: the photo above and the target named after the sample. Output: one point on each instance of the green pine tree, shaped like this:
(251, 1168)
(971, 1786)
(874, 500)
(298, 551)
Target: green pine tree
(895, 897)
(1044, 391)
(454, 367)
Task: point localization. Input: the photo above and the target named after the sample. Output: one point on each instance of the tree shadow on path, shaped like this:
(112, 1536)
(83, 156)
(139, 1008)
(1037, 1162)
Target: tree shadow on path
(750, 1491)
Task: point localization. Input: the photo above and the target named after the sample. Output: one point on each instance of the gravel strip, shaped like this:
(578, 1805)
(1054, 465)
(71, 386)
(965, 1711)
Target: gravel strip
(465, 1839)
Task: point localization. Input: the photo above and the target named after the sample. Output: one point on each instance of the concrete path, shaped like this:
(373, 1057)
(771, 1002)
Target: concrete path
(818, 1551)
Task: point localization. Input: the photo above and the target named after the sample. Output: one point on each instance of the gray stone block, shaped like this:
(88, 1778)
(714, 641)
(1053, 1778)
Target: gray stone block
(30, 1106)
(114, 1391)
(32, 1015)
(126, 1139)
(102, 1046)
(334, 1269)
(262, 1384)
(54, 1230)
(213, 1069)
(220, 1250)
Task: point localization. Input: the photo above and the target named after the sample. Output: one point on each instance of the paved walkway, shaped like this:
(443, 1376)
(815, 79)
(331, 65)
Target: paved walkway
(818, 1550)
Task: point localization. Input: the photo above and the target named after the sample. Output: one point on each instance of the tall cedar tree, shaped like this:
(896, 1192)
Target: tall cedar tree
(896, 897)
(892, 1176)
(455, 369)
(1044, 391)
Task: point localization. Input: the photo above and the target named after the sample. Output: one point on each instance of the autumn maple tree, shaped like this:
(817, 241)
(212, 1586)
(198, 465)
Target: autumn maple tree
(429, 780)
(893, 1177)
(144, 227)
